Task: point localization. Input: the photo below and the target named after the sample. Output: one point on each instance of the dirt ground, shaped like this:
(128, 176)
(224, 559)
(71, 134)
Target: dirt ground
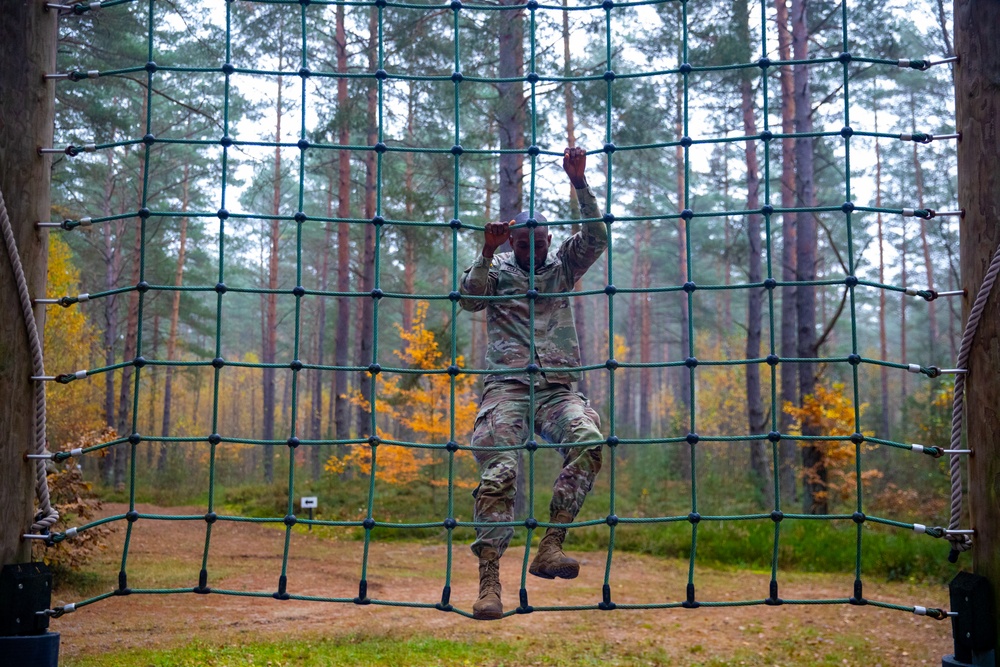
(247, 557)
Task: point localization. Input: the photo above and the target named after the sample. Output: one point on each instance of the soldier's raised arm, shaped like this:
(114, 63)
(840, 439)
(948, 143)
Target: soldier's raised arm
(582, 249)
(478, 280)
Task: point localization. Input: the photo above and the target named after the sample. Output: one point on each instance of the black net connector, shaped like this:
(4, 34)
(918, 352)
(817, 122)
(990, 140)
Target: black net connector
(532, 294)
(609, 75)
(222, 214)
(854, 359)
(777, 516)
(456, 4)
(774, 436)
(845, 57)
(611, 364)
(531, 223)
(452, 446)
(763, 63)
(381, 74)
(687, 214)
(610, 290)
(296, 365)
(457, 77)
(299, 216)
(218, 362)
(374, 369)
(766, 209)
(847, 207)
(851, 281)
(202, 586)
(608, 218)
(612, 441)
(149, 139)
(692, 438)
(770, 283)
(773, 359)
(524, 607)
(608, 4)
(292, 442)
(772, 599)
(214, 439)
(532, 5)
(455, 223)
(691, 362)
(211, 517)
(374, 440)
(531, 523)
(139, 362)
(858, 518)
(457, 149)
(368, 523)
(694, 518)
(690, 287)
(685, 68)
(690, 602)
(151, 66)
(857, 438)
(227, 69)
(142, 287)
(379, 148)
(454, 296)
(686, 142)
(445, 603)
(132, 516)
(304, 72)
(449, 523)
(533, 369)
(454, 370)
(612, 520)
(847, 132)
(533, 150)
(531, 446)
(134, 439)
(282, 593)
(123, 588)
(290, 520)
(606, 604)
(362, 593)
(609, 148)
(144, 213)
(766, 135)
(378, 221)
(859, 597)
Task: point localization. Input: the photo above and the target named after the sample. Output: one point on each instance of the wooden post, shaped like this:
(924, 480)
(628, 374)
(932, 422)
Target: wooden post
(27, 51)
(977, 107)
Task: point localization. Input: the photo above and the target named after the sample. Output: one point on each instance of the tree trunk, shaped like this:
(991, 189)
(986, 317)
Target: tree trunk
(271, 312)
(755, 404)
(342, 405)
(175, 310)
(805, 301)
(366, 340)
(112, 256)
(510, 108)
(316, 416)
(883, 342)
(789, 382)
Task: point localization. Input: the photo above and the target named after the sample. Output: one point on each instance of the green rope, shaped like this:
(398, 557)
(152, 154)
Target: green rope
(685, 215)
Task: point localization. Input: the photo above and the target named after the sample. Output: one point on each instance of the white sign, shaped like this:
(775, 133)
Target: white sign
(309, 502)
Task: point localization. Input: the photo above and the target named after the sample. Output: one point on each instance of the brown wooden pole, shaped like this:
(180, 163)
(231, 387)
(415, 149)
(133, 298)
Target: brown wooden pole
(977, 108)
(27, 52)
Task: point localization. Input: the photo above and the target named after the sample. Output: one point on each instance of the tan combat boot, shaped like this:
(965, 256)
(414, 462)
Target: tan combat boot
(550, 561)
(488, 607)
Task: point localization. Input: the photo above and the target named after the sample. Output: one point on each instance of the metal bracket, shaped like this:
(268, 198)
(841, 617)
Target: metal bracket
(25, 588)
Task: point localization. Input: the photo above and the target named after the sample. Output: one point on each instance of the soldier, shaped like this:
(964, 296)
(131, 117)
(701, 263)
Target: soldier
(561, 414)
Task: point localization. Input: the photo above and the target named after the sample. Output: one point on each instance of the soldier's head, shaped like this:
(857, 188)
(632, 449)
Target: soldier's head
(522, 239)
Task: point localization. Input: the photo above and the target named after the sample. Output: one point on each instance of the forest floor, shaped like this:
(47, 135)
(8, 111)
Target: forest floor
(224, 630)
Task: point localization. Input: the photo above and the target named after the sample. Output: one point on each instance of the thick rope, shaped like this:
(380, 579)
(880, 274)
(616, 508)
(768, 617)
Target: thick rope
(964, 542)
(47, 515)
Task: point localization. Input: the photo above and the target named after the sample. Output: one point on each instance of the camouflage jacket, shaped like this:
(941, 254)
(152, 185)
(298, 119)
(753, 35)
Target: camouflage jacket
(508, 320)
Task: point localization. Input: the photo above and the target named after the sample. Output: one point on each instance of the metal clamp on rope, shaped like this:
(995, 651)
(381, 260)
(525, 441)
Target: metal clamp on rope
(933, 612)
(59, 611)
(70, 150)
(918, 137)
(926, 294)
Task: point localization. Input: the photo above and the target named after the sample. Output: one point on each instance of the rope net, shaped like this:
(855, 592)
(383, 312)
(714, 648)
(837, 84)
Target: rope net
(463, 17)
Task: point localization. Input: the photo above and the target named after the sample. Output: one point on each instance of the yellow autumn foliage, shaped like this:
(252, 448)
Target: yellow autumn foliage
(419, 404)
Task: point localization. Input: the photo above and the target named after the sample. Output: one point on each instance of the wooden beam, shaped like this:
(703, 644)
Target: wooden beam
(28, 35)
(977, 107)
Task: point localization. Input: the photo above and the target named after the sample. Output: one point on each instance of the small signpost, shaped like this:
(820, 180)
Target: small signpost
(310, 503)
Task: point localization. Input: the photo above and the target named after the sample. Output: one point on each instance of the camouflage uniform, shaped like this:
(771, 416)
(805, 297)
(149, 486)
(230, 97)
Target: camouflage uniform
(561, 414)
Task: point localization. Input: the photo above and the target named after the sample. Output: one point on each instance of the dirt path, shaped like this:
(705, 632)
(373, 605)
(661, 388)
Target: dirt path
(247, 557)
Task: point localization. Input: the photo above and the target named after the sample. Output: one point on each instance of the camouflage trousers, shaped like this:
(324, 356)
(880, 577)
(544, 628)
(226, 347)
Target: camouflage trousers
(561, 416)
